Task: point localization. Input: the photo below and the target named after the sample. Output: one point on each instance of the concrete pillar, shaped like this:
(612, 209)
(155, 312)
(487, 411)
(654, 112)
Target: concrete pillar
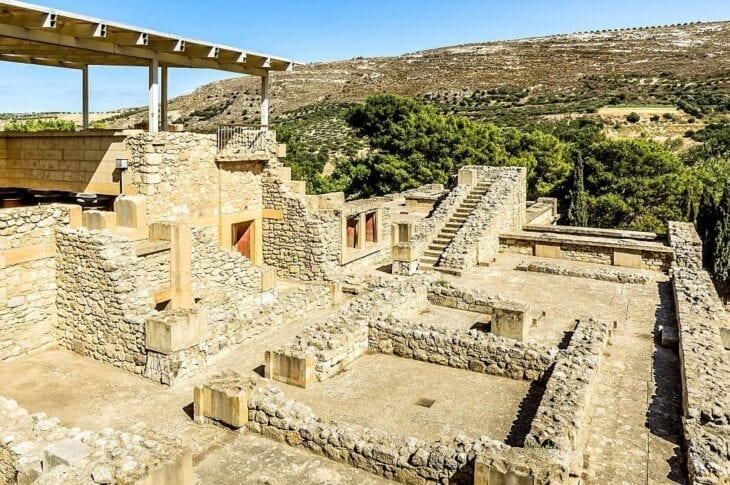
(164, 95)
(180, 237)
(265, 101)
(361, 230)
(85, 97)
(154, 97)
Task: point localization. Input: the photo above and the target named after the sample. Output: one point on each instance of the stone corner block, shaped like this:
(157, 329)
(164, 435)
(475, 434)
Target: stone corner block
(295, 370)
(224, 399)
(175, 330)
(511, 320)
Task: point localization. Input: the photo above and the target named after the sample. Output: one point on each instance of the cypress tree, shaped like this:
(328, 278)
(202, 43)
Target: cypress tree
(706, 222)
(578, 208)
(721, 249)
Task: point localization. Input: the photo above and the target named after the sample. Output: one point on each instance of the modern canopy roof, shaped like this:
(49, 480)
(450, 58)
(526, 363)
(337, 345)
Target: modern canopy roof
(34, 34)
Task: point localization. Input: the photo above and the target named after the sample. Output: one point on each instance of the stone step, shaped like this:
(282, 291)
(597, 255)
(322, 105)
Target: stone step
(442, 241)
(454, 225)
(427, 261)
(459, 220)
(468, 205)
(437, 247)
(448, 232)
(432, 254)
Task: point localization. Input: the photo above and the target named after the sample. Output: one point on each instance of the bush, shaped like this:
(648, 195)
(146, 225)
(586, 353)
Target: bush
(633, 117)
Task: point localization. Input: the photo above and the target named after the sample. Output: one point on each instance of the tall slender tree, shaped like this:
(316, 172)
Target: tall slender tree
(578, 208)
(721, 249)
(706, 226)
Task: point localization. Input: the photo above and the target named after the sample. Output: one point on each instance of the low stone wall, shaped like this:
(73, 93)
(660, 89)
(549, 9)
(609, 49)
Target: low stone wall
(587, 249)
(501, 209)
(102, 305)
(37, 449)
(509, 318)
(156, 269)
(601, 274)
(28, 276)
(704, 362)
(231, 322)
(562, 418)
(473, 350)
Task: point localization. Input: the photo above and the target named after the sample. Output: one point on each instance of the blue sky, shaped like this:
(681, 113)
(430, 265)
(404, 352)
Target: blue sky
(315, 30)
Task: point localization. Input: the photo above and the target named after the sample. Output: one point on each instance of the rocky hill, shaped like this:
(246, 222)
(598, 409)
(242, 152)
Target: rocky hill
(508, 80)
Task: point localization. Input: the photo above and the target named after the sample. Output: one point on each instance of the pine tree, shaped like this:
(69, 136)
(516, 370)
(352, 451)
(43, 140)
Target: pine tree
(721, 250)
(578, 208)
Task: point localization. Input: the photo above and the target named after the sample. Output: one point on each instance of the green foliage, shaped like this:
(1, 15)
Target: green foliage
(578, 203)
(720, 266)
(36, 125)
(633, 117)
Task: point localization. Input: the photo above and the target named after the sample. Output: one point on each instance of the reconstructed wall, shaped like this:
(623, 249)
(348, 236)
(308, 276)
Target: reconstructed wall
(102, 305)
(28, 277)
(303, 243)
(704, 361)
(598, 273)
(36, 447)
(501, 209)
(73, 161)
(155, 266)
(182, 180)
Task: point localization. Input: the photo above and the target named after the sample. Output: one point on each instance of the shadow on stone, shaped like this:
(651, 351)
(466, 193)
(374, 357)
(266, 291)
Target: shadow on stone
(189, 410)
(260, 370)
(526, 413)
(664, 415)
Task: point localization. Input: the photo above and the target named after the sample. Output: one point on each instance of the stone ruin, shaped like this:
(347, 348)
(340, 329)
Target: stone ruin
(214, 258)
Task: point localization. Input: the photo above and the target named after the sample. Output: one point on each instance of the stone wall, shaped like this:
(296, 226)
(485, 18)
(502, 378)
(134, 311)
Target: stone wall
(155, 266)
(303, 243)
(562, 419)
(704, 361)
(216, 270)
(179, 174)
(601, 274)
(35, 448)
(232, 321)
(102, 303)
(67, 161)
(28, 277)
(501, 209)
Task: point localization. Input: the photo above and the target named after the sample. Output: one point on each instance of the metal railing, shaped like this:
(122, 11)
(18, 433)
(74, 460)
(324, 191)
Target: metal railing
(246, 138)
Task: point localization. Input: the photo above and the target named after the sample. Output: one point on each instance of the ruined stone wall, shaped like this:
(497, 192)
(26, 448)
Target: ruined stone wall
(215, 269)
(501, 209)
(562, 418)
(102, 300)
(601, 274)
(704, 362)
(232, 321)
(28, 277)
(36, 447)
(179, 175)
(303, 244)
(461, 349)
(156, 269)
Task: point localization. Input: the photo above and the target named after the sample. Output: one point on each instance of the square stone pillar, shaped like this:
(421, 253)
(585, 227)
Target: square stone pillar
(511, 321)
(181, 248)
(405, 258)
(296, 370)
(468, 176)
(224, 399)
(175, 330)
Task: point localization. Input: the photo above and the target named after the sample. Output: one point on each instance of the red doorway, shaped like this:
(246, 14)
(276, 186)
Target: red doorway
(352, 235)
(241, 234)
(370, 232)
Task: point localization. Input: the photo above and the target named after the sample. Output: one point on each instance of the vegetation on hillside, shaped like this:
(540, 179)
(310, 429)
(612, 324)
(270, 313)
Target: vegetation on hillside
(35, 125)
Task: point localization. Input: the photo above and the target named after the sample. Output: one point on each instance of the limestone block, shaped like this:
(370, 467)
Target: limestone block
(65, 452)
(99, 220)
(177, 471)
(405, 252)
(292, 369)
(131, 211)
(405, 268)
(281, 150)
(298, 187)
(268, 279)
(175, 330)
(468, 176)
(224, 399)
(511, 321)
(628, 260)
(548, 251)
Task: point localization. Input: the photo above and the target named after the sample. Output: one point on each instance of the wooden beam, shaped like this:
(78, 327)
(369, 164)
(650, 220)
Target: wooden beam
(129, 38)
(41, 62)
(39, 20)
(84, 30)
(140, 52)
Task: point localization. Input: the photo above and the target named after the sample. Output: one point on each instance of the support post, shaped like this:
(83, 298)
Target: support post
(164, 98)
(85, 97)
(154, 97)
(265, 102)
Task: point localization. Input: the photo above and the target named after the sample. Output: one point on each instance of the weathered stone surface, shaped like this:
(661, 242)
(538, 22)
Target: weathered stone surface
(224, 399)
(598, 273)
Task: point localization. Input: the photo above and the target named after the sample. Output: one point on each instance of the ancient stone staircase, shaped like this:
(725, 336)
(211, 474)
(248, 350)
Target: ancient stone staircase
(431, 256)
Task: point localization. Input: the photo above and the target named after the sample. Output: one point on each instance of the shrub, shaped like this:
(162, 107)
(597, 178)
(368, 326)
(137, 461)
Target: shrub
(32, 126)
(633, 117)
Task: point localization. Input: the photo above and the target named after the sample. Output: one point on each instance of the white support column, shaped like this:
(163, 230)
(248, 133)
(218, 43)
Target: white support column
(154, 97)
(85, 98)
(265, 101)
(164, 98)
